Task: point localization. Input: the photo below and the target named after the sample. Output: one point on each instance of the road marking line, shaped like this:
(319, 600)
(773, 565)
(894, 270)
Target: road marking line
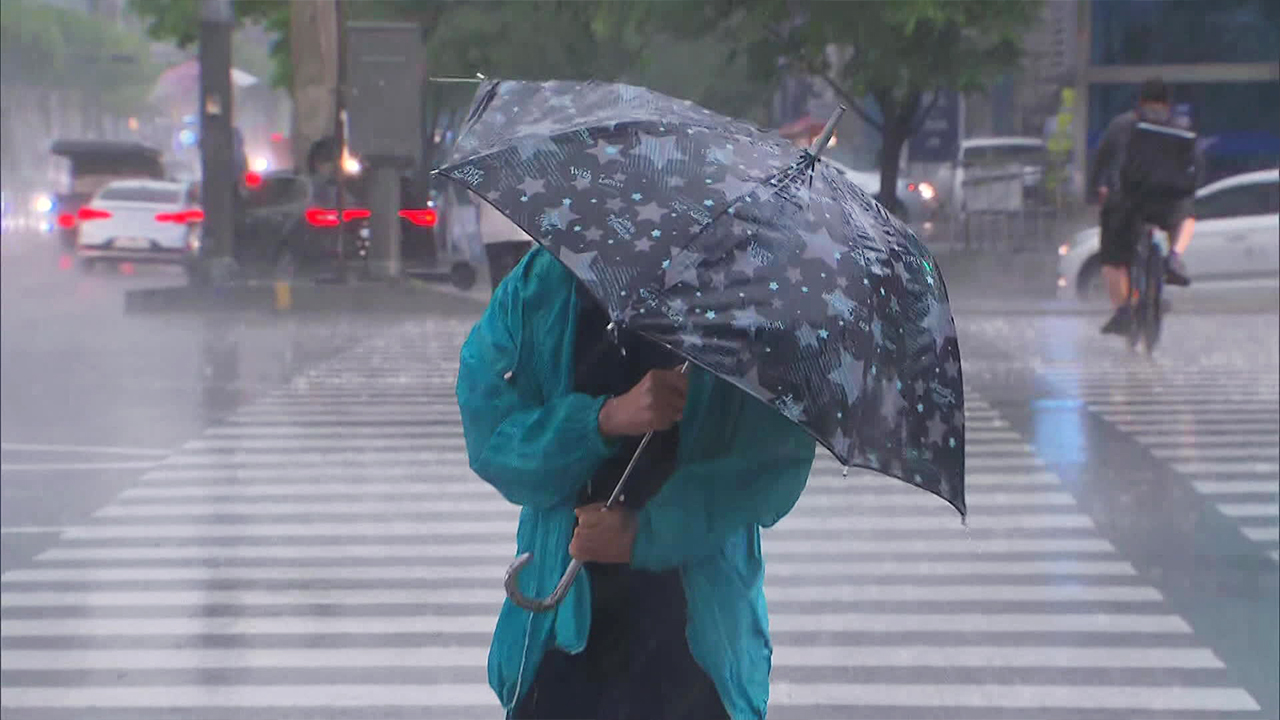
(175, 697)
(1204, 452)
(485, 597)
(475, 657)
(1085, 622)
(1200, 439)
(30, 530)
(838, 525)
(494, 503)
(1263, 533)
(773, 548)
(50, 467)
(1224, 467)
(1092, 697)
(1249, 510)
(110, 450)
(478, 571)
(1229, 487)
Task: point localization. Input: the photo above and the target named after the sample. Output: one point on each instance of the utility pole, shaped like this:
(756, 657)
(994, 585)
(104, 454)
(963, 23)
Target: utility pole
(340, 133)
(217, 145)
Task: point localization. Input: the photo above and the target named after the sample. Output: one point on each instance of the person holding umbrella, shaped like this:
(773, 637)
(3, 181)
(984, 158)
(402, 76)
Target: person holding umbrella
(703, 305)
(552, 410)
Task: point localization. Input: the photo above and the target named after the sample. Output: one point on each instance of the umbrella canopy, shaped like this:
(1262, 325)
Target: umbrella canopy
(727, 244)
(183, 81)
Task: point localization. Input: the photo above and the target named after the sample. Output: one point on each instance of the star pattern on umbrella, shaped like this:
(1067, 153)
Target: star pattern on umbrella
(848, 376)
(682, 267)
(820, 246)
(749, 319)
(650, 212)
(579, 263)
(606, 152)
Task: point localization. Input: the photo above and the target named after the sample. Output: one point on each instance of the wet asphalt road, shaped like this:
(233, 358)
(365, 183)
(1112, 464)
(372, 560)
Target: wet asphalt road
(272, 518)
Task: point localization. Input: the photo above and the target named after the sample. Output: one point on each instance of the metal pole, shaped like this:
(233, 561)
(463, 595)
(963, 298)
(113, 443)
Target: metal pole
(216, 143)
(340, 134)
(384, 225)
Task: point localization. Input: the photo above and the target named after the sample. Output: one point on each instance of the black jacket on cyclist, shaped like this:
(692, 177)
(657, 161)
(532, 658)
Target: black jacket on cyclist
(1110, 158)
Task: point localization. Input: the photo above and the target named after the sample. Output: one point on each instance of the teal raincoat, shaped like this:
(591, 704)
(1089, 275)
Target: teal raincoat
(741, 466)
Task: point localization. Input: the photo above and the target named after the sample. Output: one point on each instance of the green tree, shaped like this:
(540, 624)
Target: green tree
(902, 54)
(53, 48)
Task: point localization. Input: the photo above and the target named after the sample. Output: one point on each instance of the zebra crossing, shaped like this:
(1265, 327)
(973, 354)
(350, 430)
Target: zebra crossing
(326, 553)
(1222, 432)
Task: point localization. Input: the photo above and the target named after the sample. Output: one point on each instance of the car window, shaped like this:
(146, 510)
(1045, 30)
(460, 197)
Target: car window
(1260, 198)
(141, 193)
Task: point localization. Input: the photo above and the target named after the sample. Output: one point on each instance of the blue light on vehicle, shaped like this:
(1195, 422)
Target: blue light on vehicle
(187, 137)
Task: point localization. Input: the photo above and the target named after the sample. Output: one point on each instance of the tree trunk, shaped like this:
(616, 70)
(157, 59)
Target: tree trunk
(892, 136)
(900, 124)
(313, 47)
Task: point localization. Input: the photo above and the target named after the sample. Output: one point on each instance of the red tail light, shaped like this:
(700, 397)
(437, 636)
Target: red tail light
(424, 218)
(183, 217)
(88, 213)
(66, 221)
(252, 180)
(322, 217)
(328, 217)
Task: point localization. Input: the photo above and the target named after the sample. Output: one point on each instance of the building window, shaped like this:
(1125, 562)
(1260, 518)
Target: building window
(1159, 32)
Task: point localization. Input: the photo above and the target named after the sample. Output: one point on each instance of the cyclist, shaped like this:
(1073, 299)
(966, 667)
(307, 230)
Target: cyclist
(1121, 218)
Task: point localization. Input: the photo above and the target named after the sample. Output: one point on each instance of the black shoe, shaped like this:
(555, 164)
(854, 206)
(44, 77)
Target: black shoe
(1120, 323)
(1175, 271)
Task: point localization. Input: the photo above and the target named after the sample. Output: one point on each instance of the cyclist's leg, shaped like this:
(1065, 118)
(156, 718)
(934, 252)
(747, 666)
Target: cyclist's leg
(1181, 225)
(1119, 227)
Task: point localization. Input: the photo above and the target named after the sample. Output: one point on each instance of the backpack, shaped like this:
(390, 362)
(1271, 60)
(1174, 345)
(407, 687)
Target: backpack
(1160, 162)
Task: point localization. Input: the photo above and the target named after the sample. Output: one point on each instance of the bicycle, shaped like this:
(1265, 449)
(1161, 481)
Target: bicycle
(1146, 290)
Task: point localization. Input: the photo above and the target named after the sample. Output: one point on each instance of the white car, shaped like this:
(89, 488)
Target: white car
(140, 221)
(1236, 238)
(919, 199)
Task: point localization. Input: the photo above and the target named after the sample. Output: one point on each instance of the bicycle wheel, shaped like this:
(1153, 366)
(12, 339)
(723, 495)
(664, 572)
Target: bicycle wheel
(1137, 295)
(1153, 300)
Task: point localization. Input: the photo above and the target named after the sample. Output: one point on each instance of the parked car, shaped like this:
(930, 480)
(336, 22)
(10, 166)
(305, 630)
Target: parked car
(1237, 237)
(287, 229)
(94, 164)
(139, 221)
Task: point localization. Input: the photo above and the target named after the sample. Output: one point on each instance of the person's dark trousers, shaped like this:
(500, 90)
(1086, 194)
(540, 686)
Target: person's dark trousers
(636, 665)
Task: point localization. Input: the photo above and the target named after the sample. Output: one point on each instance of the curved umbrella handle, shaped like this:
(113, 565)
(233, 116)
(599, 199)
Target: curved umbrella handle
(571, 572)
(535, 604)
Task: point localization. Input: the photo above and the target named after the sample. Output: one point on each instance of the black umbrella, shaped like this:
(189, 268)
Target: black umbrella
(745, 255)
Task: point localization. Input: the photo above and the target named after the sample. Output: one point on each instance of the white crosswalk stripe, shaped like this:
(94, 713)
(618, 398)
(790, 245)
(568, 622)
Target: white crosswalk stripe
(328, 553)
(1223, 433)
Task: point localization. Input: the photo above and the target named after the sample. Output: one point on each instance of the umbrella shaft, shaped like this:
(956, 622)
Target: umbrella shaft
(622, 481)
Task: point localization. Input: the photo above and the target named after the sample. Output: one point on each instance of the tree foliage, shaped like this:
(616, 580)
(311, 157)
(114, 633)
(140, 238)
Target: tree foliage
(55, 48)
(902, 54)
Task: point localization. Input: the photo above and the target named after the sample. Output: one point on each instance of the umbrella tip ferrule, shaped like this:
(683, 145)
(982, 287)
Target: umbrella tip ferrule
(820, 142)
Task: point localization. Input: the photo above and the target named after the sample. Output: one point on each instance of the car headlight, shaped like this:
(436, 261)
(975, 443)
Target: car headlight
(1063, 249)
(927, 190)
(259, 164)
(42, 203)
